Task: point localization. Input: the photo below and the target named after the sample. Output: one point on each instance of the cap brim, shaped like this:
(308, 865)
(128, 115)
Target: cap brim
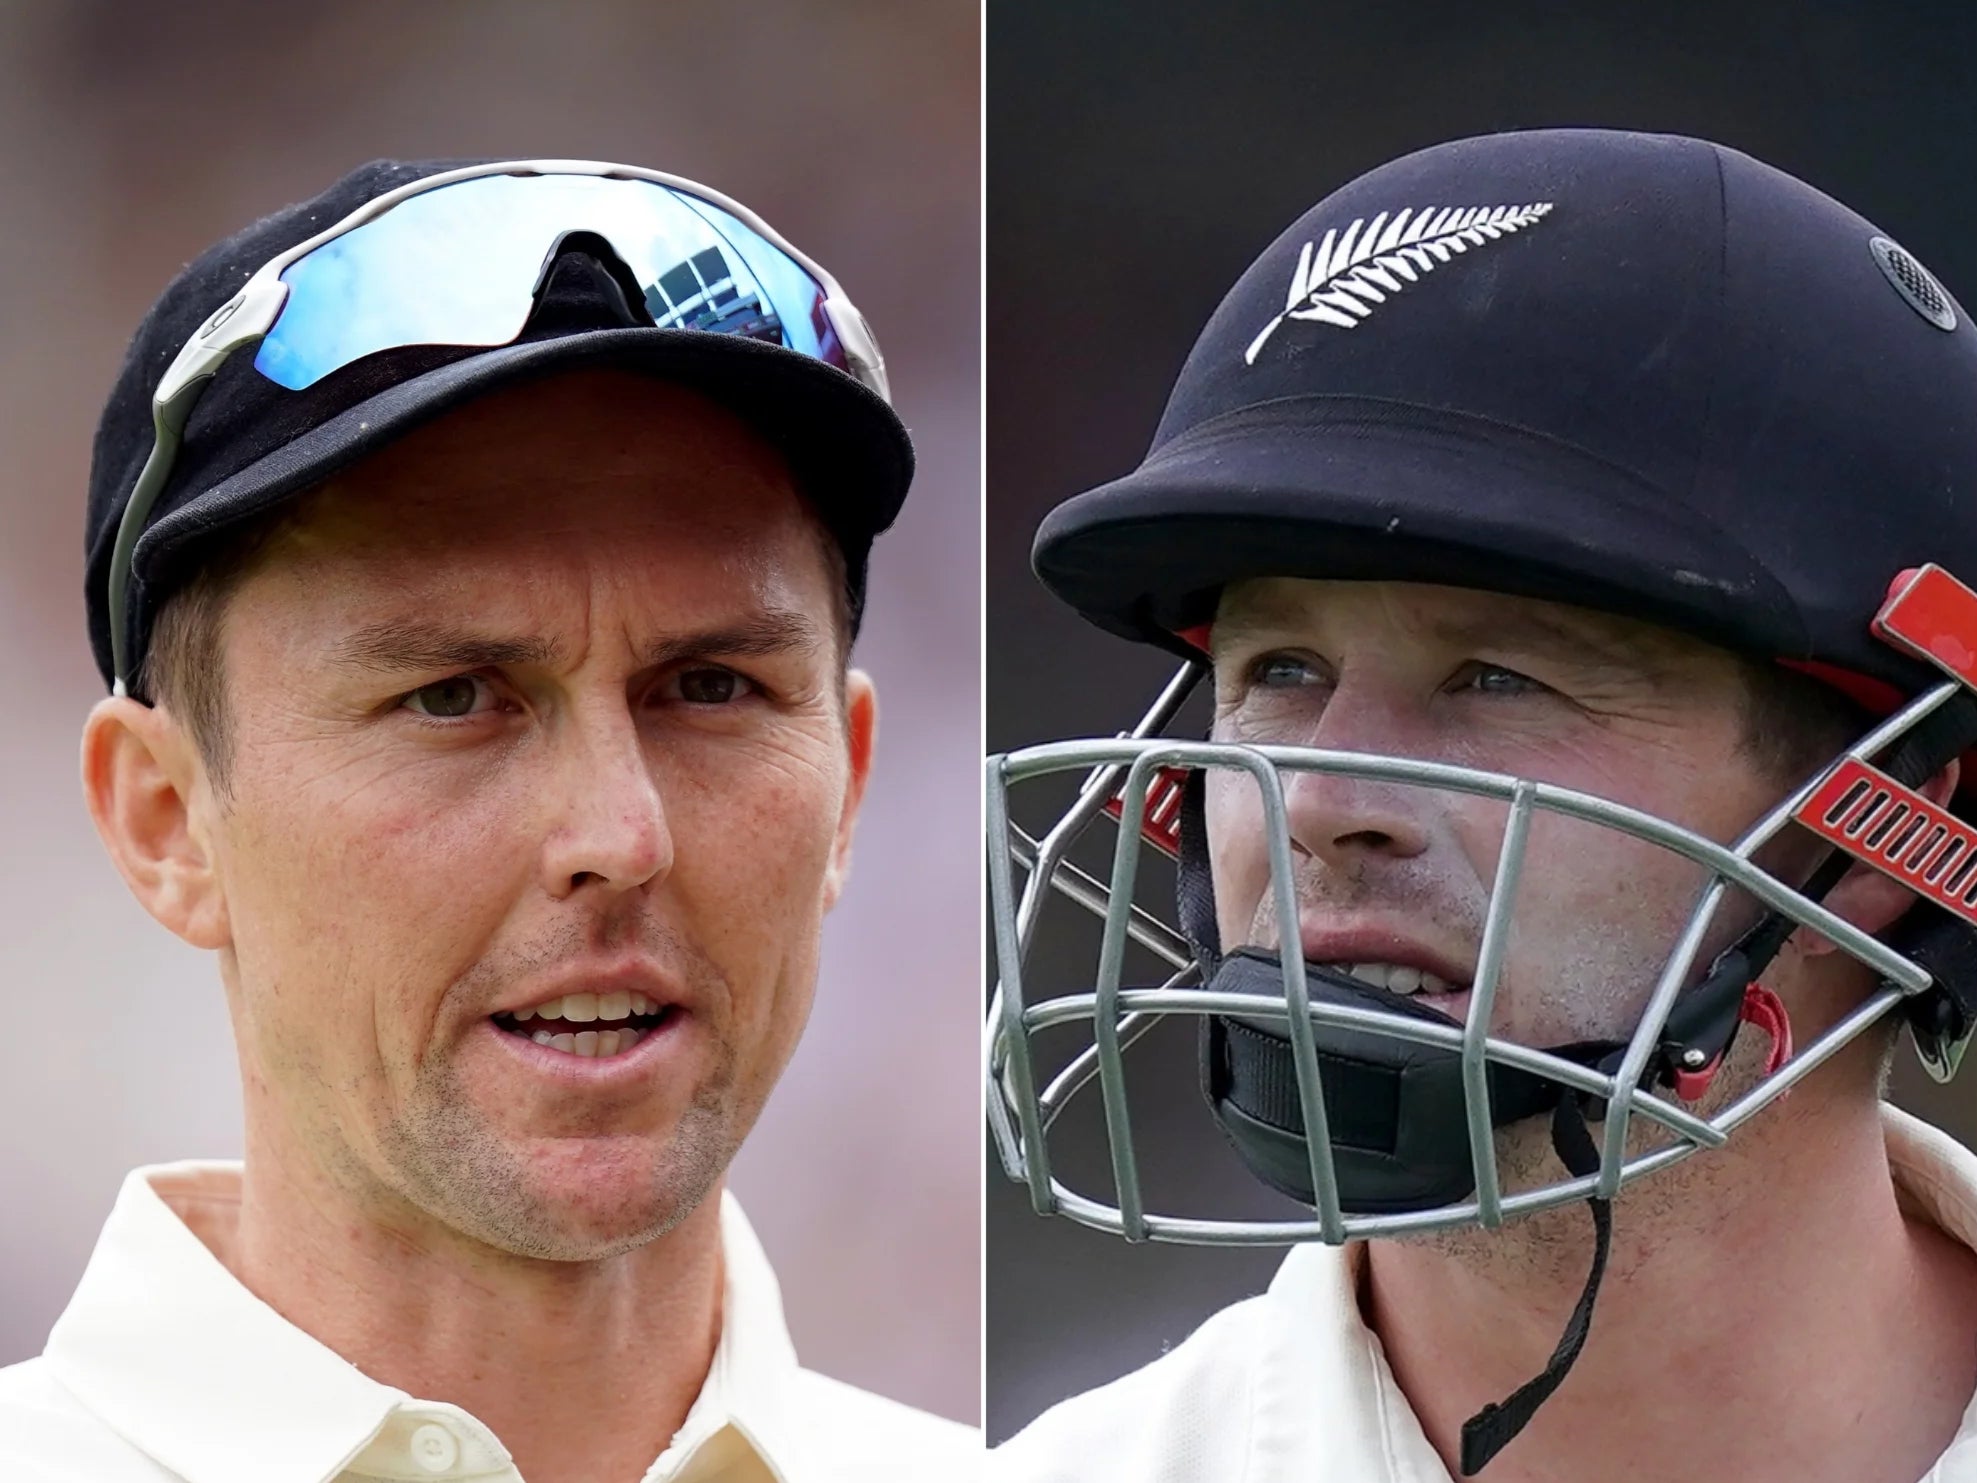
(848, 450)
(1359, 493)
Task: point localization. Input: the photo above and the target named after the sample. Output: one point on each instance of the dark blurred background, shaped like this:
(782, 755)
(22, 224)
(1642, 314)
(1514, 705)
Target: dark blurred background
(1139, 158)
(131, 136)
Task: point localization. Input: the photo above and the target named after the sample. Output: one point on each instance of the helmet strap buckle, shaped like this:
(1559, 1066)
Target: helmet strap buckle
(1760, 1007)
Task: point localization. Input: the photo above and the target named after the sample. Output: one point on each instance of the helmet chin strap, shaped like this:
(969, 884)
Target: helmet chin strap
(1397, 1108)
(1494, 1427)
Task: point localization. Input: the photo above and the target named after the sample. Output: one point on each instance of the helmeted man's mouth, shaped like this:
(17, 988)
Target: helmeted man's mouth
(584, 1024)
(1396, 978)
(1384, 953)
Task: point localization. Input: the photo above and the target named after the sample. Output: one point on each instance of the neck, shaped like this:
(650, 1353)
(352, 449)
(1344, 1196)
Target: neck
(1756, 1306)
(584, 1370)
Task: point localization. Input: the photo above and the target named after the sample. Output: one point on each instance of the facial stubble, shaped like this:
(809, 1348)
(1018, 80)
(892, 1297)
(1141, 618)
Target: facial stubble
(450, 1162)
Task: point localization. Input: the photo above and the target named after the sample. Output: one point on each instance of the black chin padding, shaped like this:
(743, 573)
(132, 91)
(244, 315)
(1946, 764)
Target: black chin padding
(1395, 1108)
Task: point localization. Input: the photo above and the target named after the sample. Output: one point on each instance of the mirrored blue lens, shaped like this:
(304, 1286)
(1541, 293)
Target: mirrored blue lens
(459, 265)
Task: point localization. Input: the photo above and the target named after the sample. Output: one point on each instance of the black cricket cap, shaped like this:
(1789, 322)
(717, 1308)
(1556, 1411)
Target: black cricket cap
(251, 444)
(1637, 373)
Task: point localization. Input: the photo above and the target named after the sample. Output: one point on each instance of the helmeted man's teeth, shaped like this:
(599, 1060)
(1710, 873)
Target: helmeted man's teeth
(1395, 978)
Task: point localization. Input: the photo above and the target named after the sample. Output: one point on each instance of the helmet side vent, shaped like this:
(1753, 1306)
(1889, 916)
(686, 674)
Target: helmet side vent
(1914, 283)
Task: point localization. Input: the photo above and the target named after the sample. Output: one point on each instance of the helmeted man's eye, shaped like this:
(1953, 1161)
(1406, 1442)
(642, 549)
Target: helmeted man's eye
(446, 699)
(1494, 679)
(1283, 672)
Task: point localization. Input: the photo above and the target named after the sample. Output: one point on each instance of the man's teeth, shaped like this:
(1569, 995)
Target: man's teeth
(1395, 978)
(590, 1042)
(583, 1008)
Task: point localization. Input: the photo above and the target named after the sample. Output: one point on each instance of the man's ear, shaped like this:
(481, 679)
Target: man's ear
(1866, 897)
(141, 775)
(861, 730)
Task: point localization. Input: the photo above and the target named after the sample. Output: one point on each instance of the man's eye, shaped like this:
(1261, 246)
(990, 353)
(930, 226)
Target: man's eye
(1494, 679)
(709, 686)
(1283, 672)
(449, 699)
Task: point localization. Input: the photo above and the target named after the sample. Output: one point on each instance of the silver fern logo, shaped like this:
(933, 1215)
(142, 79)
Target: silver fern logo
(1344, 278)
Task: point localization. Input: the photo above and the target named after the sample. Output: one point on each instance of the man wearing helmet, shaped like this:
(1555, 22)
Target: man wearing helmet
(1590, 678)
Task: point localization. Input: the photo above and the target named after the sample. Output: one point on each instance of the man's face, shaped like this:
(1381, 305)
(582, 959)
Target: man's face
(1400, 878)
(542, 705)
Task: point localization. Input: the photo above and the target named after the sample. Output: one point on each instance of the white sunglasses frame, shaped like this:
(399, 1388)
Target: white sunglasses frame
(248, 316)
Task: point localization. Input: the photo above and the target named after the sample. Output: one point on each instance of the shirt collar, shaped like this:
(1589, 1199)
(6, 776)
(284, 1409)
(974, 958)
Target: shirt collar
(167, 1347)
(1935, 1176)
(746, 1386)
(1935, 1179)
(1371, 1428)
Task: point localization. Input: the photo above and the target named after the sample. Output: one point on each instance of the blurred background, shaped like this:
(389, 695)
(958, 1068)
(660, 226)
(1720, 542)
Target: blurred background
(132, 136)
(1135, 169)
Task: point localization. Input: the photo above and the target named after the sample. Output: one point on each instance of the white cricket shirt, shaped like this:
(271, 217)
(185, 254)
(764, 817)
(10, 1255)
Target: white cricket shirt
(1292, 1387)
(165, 1369)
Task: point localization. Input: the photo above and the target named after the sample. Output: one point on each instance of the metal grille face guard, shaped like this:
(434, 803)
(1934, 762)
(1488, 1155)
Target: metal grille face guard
(1842, 804)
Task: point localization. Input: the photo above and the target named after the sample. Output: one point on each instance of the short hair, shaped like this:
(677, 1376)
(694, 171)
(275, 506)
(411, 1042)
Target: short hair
(184, 667)
(1794, 724)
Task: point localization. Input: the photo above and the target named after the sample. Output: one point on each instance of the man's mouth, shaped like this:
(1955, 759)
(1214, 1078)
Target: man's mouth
(591, 1025)
(1396, 978)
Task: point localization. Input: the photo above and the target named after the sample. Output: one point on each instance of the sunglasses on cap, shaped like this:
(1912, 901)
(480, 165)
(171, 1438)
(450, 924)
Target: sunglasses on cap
(458, 258)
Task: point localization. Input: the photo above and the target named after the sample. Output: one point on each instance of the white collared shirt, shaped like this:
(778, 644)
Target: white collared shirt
(165, 1369)
(1292, 1387)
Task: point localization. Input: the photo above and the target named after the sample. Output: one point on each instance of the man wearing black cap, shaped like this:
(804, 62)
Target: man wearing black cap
(1574, 527)
(475, 553)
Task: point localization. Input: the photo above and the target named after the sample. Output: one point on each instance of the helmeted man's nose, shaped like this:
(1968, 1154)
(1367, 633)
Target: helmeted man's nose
(1341, 820)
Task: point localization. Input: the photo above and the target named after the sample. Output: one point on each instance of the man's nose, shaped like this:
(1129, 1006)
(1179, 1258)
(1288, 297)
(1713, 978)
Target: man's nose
(1342, 820)
(611, 830)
